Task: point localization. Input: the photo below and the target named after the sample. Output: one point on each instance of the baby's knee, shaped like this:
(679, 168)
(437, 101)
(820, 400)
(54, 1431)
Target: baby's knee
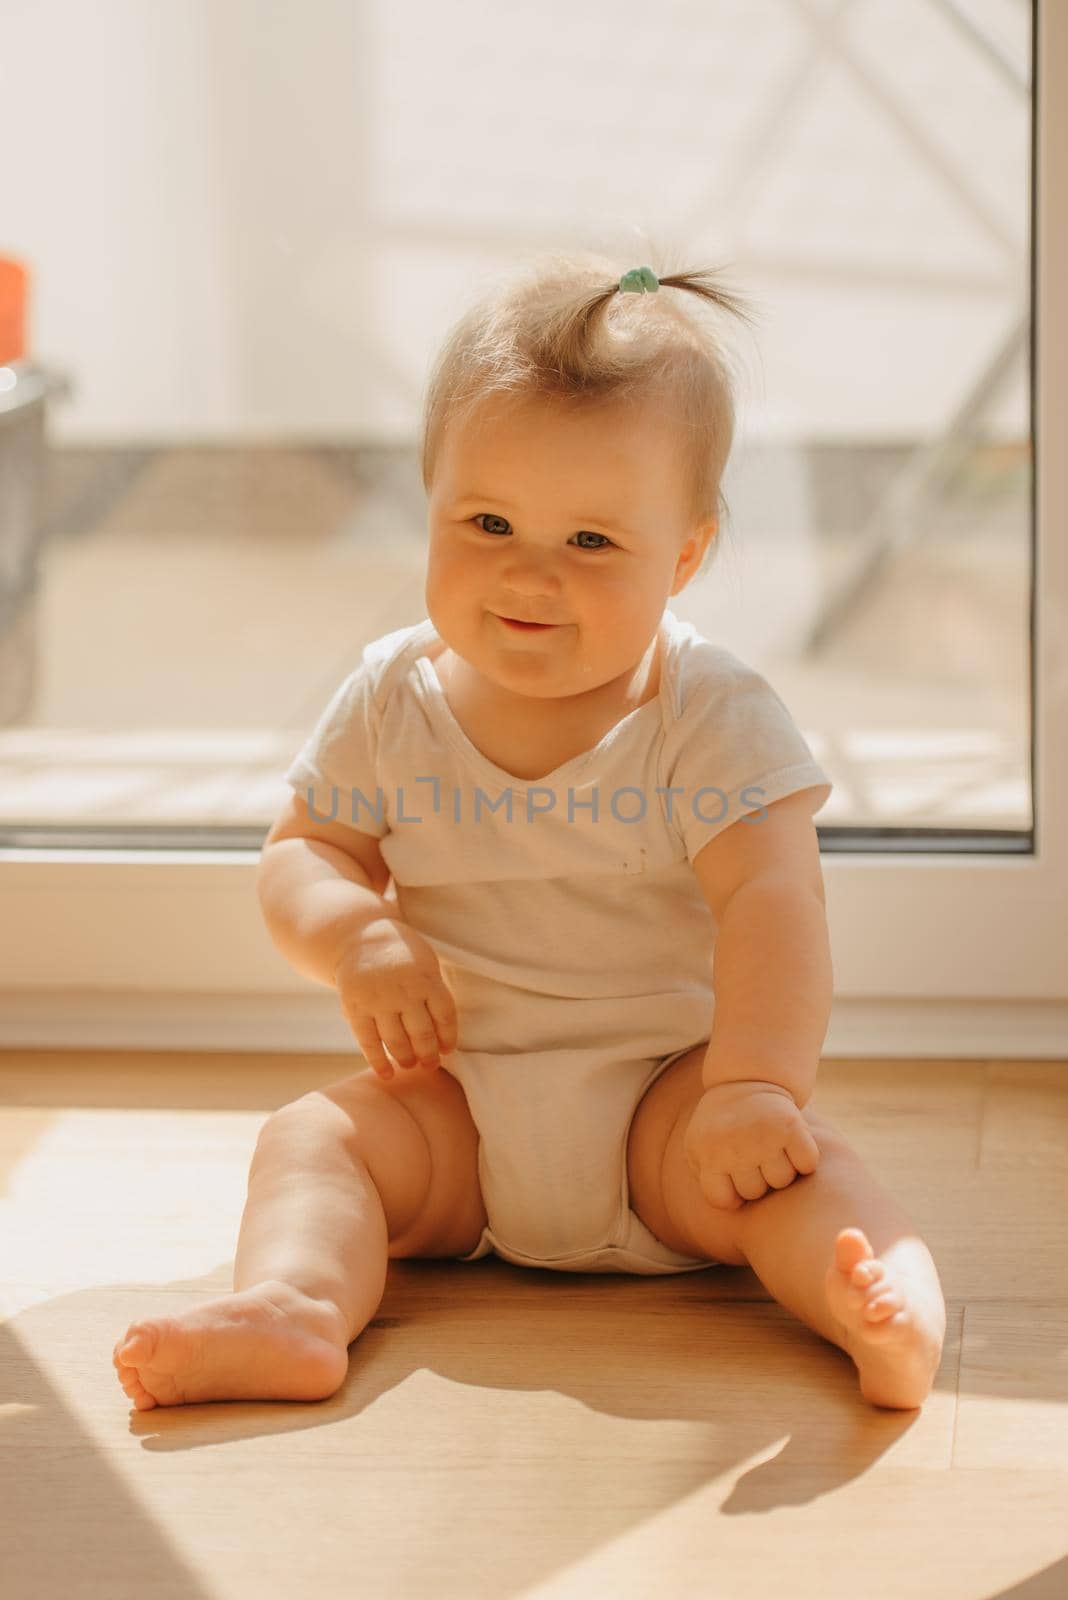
(303, 1134)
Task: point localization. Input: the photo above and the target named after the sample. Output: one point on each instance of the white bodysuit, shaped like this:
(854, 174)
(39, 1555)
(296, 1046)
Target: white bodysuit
(564, 910)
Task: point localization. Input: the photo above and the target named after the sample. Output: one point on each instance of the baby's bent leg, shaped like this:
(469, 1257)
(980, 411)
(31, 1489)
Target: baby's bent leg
(887, 1313)
(313, 1218)
(309, 1273)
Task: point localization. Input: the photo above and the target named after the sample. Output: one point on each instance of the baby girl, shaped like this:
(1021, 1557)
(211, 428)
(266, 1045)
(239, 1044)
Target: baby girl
(556, 853)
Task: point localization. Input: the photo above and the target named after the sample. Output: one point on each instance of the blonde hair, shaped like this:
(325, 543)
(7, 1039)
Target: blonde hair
(559, 332)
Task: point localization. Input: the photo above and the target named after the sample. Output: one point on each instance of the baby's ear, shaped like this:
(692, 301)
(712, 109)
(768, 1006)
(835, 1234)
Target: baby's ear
(692, 553)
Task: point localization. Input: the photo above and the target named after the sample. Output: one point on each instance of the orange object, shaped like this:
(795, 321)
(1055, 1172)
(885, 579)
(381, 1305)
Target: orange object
(14, 293)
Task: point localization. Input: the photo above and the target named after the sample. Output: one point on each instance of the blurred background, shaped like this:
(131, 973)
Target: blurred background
(235, 235)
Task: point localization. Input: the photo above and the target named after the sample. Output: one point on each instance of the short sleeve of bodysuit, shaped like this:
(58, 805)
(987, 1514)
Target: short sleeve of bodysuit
(734, 748)
(336, 769)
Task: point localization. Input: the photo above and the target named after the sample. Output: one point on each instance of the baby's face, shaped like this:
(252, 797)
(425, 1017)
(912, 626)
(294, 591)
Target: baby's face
(576, 519)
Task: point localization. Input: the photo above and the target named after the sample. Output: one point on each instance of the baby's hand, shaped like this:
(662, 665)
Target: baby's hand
(744, 1138)
(389, 981)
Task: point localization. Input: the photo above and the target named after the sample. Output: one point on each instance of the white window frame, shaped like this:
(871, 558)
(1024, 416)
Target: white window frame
(935, 954)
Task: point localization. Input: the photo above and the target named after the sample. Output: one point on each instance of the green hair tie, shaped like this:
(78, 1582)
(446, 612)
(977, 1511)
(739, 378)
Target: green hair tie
(639, 280)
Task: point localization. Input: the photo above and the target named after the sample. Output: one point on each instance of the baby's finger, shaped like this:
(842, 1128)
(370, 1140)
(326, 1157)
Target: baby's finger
(395, 1039)
(719, 1191)
(420, 1031)
(749, 1184)
(371, 1048)
(802, 1149)
(778, 1171)
(442, 1008)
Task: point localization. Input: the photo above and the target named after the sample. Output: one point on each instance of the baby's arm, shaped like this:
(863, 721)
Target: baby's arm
(318, 884)
(772, 976)
(773, 987)
(320, 887)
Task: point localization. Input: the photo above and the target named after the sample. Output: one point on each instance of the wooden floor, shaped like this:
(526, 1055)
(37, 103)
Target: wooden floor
(511, 1433)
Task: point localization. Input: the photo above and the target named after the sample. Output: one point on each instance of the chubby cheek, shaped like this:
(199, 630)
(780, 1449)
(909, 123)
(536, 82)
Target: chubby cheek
(445, 577)
(624, 601)
(453, 599)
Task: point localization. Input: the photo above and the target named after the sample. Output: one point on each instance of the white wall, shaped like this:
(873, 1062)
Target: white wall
(249, 219)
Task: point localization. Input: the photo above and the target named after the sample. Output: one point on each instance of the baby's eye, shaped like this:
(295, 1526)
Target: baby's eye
(585, 534)
(491, 517)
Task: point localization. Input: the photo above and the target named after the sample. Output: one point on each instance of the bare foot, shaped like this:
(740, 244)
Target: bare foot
(893, 1330)
(266, 1343)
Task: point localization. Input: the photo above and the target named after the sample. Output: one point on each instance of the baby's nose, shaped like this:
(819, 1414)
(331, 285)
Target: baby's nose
(532, 575)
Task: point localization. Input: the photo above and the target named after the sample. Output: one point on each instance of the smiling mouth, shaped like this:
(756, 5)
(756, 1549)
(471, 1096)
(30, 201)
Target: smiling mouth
(513, 622)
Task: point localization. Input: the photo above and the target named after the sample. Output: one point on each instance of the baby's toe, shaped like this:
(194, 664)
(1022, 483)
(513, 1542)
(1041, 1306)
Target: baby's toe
(137, 1347)
(135, 1390)
(141, 1398)
(126, 1375)
(867, 1279)
(883, 1306)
